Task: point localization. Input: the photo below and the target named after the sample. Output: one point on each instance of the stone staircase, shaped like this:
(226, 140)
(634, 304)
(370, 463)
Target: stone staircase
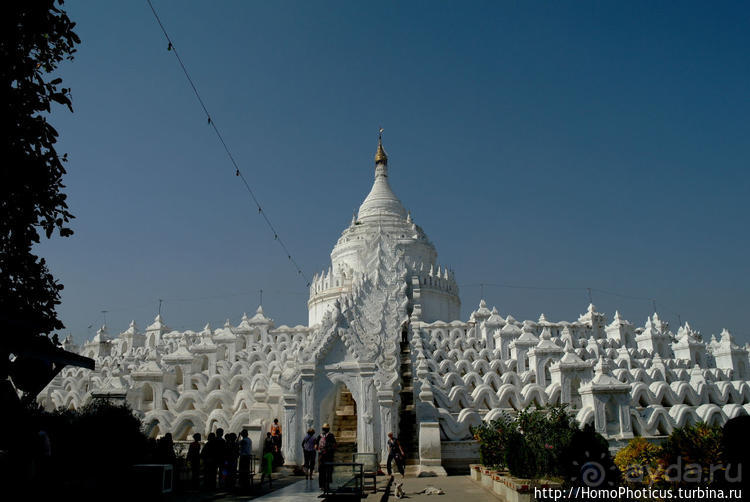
(408, 431)
(344, 426)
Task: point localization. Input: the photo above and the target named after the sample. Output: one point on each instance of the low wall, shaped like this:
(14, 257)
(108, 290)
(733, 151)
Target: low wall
(457, 455)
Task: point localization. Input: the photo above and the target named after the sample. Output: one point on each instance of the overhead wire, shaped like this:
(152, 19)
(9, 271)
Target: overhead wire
(172, 48)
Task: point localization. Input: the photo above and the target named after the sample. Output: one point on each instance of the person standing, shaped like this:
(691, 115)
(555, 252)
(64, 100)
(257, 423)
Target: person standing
(208, 455)
(194, 459)
(221, 456)
(245, 451)
(326, 449)
(276, 436)
(309, 443)
(230, 464)
(395, 453)
(267, 463)
(268, 443)
(166, 454)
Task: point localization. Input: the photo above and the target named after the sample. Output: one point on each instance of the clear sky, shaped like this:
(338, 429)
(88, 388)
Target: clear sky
(556, 144)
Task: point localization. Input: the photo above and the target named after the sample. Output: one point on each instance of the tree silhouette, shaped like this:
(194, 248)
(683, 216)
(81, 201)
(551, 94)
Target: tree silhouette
(34, 38)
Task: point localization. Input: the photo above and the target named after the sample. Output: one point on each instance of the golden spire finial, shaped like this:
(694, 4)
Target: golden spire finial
(380, 156)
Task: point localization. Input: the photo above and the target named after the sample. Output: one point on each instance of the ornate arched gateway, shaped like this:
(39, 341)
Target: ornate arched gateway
(357, 346)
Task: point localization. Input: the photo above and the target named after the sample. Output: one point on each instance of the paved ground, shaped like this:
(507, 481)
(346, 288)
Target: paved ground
(295, 489)
(280, 481)
(456, 488)
(304, 490)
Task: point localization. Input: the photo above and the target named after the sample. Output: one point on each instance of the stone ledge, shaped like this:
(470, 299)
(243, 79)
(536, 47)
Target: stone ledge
(506, 487)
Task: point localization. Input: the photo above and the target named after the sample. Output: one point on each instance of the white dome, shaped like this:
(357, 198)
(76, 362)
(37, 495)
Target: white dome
(382, 212)
(381, 201)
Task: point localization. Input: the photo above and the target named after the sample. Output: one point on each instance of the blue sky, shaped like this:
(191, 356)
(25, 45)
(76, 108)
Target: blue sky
(585, 144)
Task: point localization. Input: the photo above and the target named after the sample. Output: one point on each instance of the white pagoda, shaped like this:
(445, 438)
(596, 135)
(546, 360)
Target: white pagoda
(384, 351)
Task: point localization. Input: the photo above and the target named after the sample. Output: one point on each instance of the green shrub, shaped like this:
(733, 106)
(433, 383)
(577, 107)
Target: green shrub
(529, 446)
(547, 431)
(492, 438)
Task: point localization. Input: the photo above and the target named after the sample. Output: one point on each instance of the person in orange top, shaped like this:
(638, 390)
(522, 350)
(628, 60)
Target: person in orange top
(276, 437)
(276, 428)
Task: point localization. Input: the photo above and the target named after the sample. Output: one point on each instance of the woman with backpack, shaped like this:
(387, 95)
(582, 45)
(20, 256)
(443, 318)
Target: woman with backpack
(326, 449)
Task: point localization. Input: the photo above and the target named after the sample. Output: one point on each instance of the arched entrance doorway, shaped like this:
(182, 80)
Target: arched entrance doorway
(339, 410)
(344, 425)
(340, 391)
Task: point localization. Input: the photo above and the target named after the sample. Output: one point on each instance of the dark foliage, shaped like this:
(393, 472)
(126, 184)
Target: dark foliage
(34, 38)
(586, 460)
(735, 445)
(92, 448)
(519, 458)
(689, 452)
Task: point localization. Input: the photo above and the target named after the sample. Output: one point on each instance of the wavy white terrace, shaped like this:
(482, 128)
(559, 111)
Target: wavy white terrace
(376, 357)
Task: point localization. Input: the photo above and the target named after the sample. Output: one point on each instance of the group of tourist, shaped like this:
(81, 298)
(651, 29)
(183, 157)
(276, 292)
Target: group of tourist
(225, 459)
(324, 445)
(222, 459)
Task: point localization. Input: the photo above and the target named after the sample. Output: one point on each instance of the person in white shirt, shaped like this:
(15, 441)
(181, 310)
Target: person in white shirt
(246, 451)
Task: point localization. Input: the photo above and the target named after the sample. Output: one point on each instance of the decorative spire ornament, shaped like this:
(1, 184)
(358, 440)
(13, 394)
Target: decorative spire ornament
(380, 156)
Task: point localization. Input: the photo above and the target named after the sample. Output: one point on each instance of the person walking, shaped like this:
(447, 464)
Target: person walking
(194, 459)
(395, 453)
(245, 452)
(326, 449)
(309, 443)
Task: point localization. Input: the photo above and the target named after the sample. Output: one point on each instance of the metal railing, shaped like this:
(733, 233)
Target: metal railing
(344, 478)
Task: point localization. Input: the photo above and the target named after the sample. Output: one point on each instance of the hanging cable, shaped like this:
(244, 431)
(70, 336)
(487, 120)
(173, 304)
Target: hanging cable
(514, 286)
(171, 47)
